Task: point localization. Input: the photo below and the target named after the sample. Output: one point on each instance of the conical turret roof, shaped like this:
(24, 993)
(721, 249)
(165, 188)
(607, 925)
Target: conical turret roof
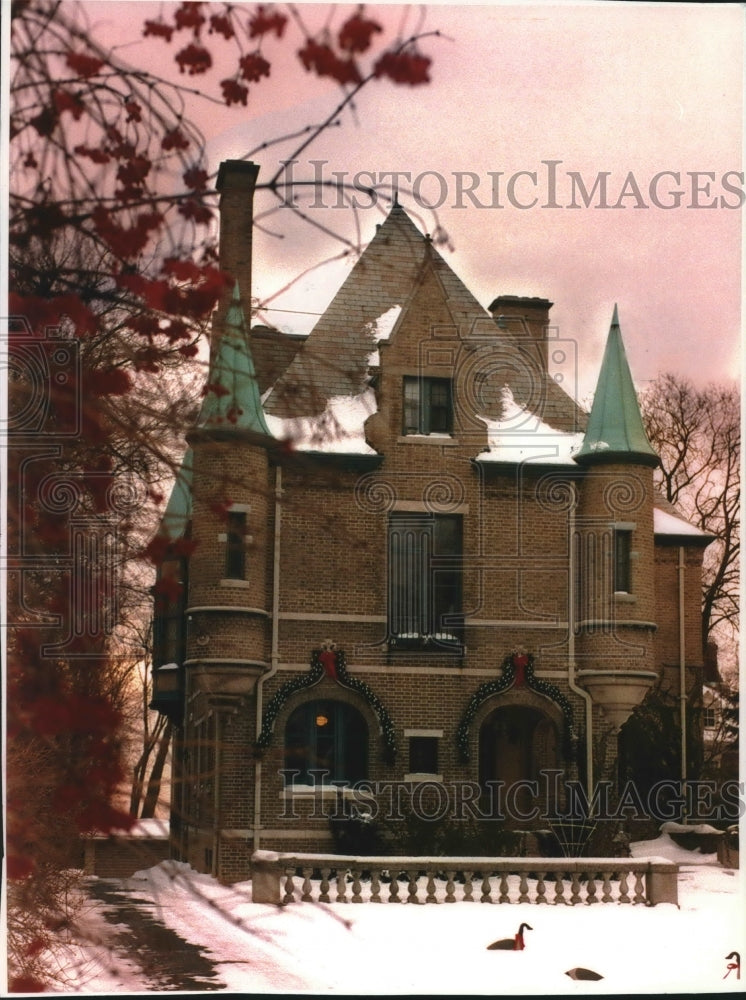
(615, 429)
(178, 512)
(232, 397)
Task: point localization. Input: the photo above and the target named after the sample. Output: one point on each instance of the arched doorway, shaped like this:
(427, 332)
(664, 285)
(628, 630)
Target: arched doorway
(517, 743)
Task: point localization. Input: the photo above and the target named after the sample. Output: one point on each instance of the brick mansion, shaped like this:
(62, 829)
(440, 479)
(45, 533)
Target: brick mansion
(413, 558)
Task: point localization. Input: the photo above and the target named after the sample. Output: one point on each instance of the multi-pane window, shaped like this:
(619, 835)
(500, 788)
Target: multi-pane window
(235, 546)
(428, 405)
(622, 563)
(710, 718)
(326, 741)
(425, 573)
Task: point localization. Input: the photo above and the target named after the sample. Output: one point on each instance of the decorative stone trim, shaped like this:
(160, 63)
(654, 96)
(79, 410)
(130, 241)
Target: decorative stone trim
(517, 671)
(228, 609)
(279, 879)
(328, 662)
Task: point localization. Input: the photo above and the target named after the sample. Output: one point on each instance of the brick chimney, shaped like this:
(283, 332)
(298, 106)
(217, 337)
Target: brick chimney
(236, 182)
(525, 318)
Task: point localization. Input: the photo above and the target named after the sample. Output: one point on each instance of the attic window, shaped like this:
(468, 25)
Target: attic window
(428, 405)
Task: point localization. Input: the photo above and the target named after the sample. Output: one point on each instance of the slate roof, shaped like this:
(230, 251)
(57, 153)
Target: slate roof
(334, 360)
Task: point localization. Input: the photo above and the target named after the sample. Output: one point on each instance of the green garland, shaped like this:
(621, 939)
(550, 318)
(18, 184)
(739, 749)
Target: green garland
(315, 674)
(502, 683)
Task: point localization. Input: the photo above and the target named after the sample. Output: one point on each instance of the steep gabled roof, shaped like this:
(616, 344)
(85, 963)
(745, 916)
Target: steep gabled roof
(334, 361)
(615, 428)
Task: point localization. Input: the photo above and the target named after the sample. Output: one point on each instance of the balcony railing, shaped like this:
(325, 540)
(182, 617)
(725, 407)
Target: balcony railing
(328, 878)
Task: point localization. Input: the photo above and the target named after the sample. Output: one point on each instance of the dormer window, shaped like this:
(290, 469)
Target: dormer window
(428, 405)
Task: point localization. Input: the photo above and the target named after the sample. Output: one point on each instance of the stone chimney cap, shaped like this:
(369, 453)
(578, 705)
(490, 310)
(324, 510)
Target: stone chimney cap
(247, 170)
(520, 302)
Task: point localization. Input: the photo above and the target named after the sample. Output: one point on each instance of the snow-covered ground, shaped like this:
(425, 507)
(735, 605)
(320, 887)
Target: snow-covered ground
(437, 949)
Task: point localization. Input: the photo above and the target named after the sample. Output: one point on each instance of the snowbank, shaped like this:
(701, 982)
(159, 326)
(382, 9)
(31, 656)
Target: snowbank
(442, 950)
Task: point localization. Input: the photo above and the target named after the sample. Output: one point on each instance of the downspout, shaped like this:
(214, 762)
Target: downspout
(682, 671)
(274, 655)
(216, 795)
(572, 684)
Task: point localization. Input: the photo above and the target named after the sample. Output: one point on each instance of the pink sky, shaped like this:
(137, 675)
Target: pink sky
(618, 88)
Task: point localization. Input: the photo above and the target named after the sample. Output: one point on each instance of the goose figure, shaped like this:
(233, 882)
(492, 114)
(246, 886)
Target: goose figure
(581, 973)
(511, 944)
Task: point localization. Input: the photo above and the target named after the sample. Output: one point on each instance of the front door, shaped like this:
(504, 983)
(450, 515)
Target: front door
(516, 744)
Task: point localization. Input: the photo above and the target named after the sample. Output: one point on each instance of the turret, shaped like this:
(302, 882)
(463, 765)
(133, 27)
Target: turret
(228, 632)
(614, 556)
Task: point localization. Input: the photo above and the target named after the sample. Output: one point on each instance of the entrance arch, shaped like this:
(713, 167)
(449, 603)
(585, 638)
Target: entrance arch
(516, 744)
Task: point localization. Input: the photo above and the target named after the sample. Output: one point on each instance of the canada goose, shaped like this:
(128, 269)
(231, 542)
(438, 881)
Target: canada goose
(580, 973)
(510, 944)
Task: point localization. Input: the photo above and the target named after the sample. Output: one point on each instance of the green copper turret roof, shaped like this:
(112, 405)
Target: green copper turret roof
(615, 429)
(232, 398)
(178, 512)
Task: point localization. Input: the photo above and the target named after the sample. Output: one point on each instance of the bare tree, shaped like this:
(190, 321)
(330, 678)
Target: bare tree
(113, 277)
(697, 433)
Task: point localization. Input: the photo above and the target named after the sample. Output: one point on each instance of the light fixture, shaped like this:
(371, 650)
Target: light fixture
(321, 720)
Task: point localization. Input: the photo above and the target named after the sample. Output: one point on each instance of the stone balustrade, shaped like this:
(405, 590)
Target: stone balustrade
(328, 878)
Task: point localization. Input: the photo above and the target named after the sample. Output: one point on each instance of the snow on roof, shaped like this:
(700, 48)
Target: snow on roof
(521, 436)
(381, 329)
(150, 828)
(668, 524)
(338, 430)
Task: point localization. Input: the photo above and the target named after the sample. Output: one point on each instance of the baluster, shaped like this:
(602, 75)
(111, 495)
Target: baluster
(412, 887)
(356, 897)
(450, 886)
(524, 898)
(375, 885)
(541, 889)
(431, 897)
(486, 896)
(606, 897)
(559, 889)
(504, 888)
(575, 889)
(468, 897)
(591, 890)
(394, 889)
(289, 887)
(623, 888)
(341, 885)
(324, 887)
(307, 890)
(639, 888)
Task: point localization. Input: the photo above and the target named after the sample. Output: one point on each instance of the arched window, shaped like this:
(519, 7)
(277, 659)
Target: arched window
(326, 741)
